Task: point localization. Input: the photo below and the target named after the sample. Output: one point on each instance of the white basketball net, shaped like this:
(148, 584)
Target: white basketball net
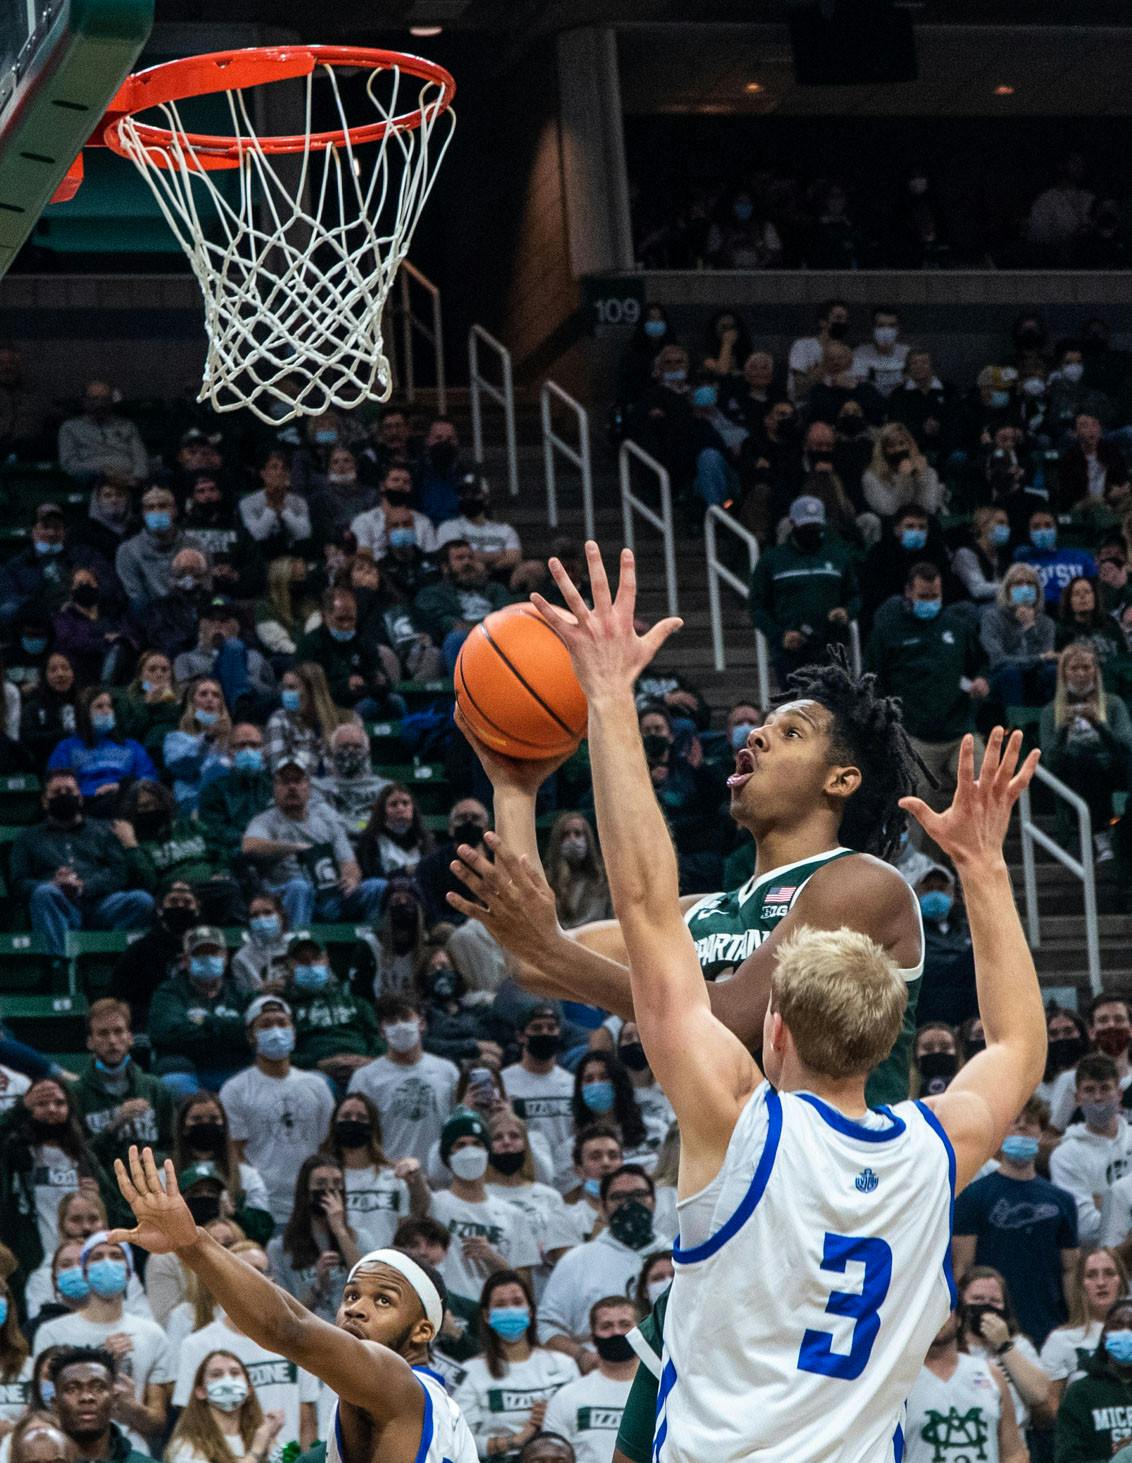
(294, 295)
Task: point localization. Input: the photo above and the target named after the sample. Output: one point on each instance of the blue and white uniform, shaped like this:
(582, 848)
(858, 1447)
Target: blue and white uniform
(797, 1327)
(445, 1436)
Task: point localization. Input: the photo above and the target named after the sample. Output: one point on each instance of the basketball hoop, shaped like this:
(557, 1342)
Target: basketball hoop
(294, 274)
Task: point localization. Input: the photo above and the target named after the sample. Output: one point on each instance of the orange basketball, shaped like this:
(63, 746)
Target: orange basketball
(517, 688)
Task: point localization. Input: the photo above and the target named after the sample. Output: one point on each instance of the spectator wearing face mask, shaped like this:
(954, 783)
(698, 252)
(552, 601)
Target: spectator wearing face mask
(213, 521)
(39, 577)
(92, 634)
(1086, 739)
(588, 1412)
(496, 546)
(156, 954)
(1092, 1418)
(142, 1408)
(72, 873)
(196, 1015)
(144, 563)
(172, 623)
(468, 820)
(881, 361)
(334, 1031)
(380, 1192)
(411, 1090)
(948, 993)
(349, 784)
(928, 654)
(1067, 395)
(912, 537)
(313, 1255)
(925, 405)
(1055, 567)
(100, 757)
(652, 333)
(405, 565)
(743, 236)
(109, 519)
(539, 1090)
(806, 352)
(359, 672)
(119, 1103)
(276, 518)
(58, 1286)
(488, 1234)
(439, 471)
(822, 458)
(512, 1176)
(604, 1093)
(229, 802)
(151, 705)
(175, 849)
(277, 1114)
(899, 475)
(980, 564)
(454, 1030)
(1109, 1031)
(307, 716)
(1018, 638)
(935, 1055)
(804, 591)
(372, 528)
(575, 872)
(223, 1419)
(990, 405)
(385, 616)
(198, 751)
(339, 497)
(990, 1330)
(1097, 1151)
(661, 420)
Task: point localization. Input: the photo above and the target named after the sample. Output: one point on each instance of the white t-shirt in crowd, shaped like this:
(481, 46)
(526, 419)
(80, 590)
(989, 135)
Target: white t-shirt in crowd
(13, 1085)
(40, 1292)
(546, 1213)
(412, 1099)
(882, 372)
(281, 1121)
(54, 1174)
(501, 1406)
(805, 354)
(602, 1267)
(1068, 1348)
(149, 1363)
(15, 1396)
(504, 1228)
(184, 1452)
(369, 530)
(588, 1413)
(280, 1385)
(488, 537)
(1062, 1097)
(543, 1100)
(376, 1203)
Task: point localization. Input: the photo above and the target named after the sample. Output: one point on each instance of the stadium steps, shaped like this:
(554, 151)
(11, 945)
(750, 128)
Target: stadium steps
(1060, 957)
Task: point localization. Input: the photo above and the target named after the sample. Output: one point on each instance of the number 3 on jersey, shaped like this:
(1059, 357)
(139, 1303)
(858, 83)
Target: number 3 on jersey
(817, 1353)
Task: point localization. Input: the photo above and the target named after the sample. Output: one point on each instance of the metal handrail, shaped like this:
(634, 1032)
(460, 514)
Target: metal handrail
(433, 333)
(661, 521)
(855, 647)
(1083, 868)
(718, 572)
(579, 456)
(503, 395)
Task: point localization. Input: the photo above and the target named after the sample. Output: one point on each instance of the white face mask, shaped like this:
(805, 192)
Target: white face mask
(469, 1163)
(227, 1393)
(885, 335)
(656, 1288)
(402, 1036)
(1072, 372)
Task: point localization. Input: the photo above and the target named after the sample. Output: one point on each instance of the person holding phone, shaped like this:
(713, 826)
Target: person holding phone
(318, 1247)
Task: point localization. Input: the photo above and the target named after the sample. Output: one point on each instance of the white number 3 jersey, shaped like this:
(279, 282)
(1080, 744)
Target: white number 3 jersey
(795, 1331)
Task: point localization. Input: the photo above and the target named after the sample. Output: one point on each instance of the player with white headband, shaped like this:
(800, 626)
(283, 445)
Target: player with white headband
(391, 1406)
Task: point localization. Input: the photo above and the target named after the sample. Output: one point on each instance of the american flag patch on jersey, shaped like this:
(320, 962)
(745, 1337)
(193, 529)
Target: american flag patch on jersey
(780, 893)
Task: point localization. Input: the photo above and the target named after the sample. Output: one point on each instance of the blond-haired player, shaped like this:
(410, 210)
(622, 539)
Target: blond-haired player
(813, 1264)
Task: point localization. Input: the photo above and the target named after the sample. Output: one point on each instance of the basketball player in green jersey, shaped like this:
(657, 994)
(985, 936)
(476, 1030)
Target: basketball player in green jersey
(816, 786)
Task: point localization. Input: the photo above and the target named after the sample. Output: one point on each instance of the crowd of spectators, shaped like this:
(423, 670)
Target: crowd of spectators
(228, 666)
(777, 218)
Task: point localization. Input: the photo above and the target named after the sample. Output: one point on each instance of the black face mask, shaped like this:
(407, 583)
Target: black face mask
(397, 500)
(49, 1132)
(205, 1137)
(544, 1044)
(62, 806)
(178, 919)
(472, 506)
(468, 832)
(632, 1054)
(937, 1064)
(149, 826)
(837, 329)
(442, 985)
(787, 429)
(204, 1208)
(656, 747)
(508, 1163)
(1066, 1052)
(86, 595)
(851, 426)
(403, 916)
(973, 1316)
(613, 1348)
(808, 537)
(442, 455)
(352, 1132)
(894, 459)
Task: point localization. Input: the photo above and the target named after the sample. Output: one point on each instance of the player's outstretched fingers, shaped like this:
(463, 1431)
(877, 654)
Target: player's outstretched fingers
(570, 592)
(505, 858)
(471, 868)
(626, 600)
(918, 809)
(172, 1187)
(992, 757)
(1025, 775)
(137, 1172)
(469, 907)
(152, 1177)
(599, 580)
(125, 1183)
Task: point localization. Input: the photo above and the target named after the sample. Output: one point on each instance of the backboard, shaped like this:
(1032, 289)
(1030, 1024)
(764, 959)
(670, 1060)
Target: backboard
(61, 62)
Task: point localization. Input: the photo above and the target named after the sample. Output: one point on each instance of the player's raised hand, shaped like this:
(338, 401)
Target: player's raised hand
(973, 828)
(509, 899)
(164, 1223)
(607, 652)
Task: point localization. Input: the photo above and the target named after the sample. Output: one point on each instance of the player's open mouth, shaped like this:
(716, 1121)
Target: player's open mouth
(746, 764)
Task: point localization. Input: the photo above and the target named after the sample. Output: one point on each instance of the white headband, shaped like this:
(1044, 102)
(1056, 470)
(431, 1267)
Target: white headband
(406, 1266)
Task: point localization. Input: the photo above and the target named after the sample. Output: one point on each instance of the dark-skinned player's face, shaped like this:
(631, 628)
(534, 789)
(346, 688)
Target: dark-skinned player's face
(787, 766)
(380, 1305)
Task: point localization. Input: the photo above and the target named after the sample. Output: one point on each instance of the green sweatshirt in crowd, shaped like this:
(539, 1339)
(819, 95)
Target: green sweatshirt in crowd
(929, 664)
(227, 805)
(1094, 1413)
(110, 1136)
(208, 1030)
(331, 1021)
(791, 589)
(183, 854)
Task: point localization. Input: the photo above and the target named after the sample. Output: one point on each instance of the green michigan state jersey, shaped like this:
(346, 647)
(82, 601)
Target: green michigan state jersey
(726, 928)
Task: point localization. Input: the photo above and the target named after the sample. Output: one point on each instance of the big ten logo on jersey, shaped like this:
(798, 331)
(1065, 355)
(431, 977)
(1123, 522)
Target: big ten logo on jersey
(776, 901)
(958, 1437)
(471, 1229)
(276, 1373)
(598, 1419)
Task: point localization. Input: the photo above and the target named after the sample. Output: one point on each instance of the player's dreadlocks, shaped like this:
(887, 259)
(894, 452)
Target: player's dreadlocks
(868, 732)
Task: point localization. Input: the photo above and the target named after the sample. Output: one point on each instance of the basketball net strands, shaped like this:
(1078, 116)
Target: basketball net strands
(294, 268)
